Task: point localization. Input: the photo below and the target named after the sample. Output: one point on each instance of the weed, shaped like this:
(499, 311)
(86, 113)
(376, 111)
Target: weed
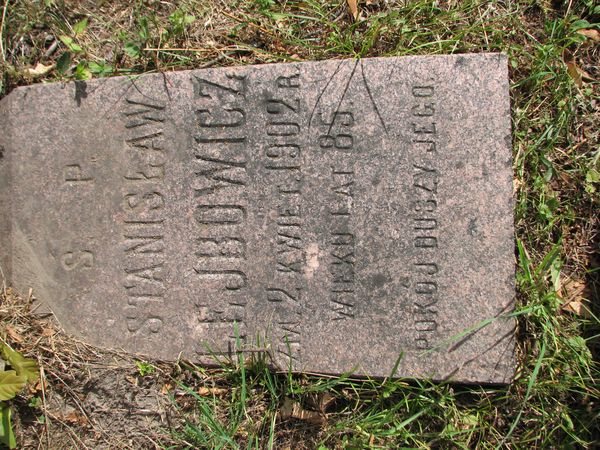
(145, 368)
(22, 371)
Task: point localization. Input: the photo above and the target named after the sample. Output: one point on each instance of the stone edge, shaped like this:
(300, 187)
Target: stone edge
(5, 191)
(510, 376)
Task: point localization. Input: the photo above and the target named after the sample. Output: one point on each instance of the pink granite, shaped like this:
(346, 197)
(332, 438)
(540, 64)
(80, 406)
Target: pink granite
(336, 213)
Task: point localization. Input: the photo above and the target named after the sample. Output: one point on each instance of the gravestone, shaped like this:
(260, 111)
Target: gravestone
(337, 214)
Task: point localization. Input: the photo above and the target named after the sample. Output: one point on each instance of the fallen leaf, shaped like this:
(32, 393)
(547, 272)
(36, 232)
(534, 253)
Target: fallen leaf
(292, 409)
(517, 184)
(320, 401)
(132, 380)
(166, 388)
(578, 308)
(38, 387)
(76, 419)
(594, 35)
(13, 334)
(325, 401)
(352, 4)
(575, 296)
(40, 70)
(575, 72)
(204, 391)
(47, 331)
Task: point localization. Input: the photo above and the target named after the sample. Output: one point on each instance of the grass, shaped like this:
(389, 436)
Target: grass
(553, 58)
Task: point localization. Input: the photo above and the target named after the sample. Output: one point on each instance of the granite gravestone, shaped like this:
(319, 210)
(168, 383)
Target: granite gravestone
(335, 213)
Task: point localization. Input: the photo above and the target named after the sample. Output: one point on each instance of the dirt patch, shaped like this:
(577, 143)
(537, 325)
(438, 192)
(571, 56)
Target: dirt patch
(96, 398)
(90, 398)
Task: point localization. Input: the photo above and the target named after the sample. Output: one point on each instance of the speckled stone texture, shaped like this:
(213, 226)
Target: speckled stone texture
(338, 214)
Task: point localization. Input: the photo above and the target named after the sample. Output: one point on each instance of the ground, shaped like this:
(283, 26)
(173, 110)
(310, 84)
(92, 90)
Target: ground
(93, 398)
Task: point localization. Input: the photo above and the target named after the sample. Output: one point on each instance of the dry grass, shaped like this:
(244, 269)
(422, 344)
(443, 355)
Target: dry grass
(95, 398)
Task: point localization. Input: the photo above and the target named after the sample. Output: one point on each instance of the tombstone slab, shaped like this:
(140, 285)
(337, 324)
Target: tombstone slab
(337, 214)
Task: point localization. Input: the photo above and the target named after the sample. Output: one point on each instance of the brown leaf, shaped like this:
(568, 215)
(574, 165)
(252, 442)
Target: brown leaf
(38, 387)
(353, 5)
(204, 391)
(76, 419)
(578, 308)
(324, 400)
(13, 334)
(575, 294)
(517, 184)
(48, 331)
(132, 380)
(292, 409)
(166, 388)
(571, 289)
(40, 70)
(589, 33)
(575, 72)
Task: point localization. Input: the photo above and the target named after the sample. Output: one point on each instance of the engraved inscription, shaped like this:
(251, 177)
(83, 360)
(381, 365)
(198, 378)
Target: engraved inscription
(424, 218)
(339, 142)
(221, 205)
(73, 173)
(282, 158)
(144, 218)
(77, 259)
